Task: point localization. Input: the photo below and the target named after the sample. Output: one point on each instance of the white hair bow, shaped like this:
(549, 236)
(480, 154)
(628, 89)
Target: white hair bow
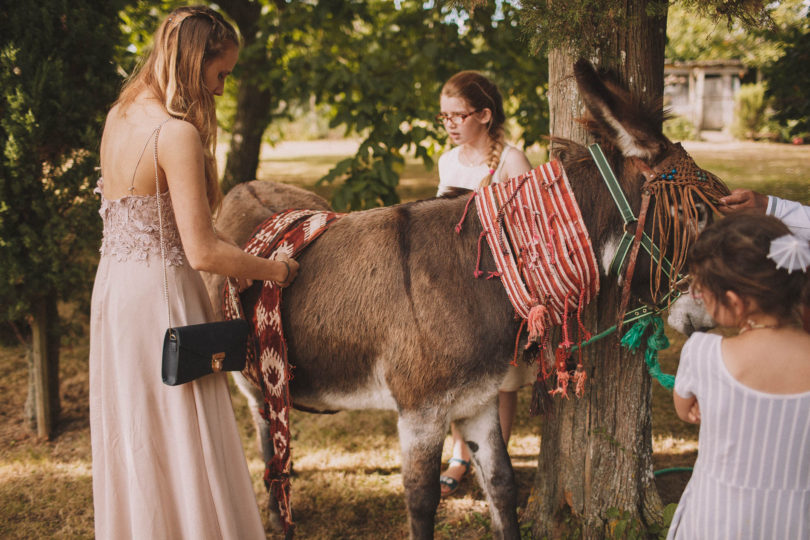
(790, 252)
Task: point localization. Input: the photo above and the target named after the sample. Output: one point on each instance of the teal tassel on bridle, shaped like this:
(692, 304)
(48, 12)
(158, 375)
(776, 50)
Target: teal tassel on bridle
(656, 342)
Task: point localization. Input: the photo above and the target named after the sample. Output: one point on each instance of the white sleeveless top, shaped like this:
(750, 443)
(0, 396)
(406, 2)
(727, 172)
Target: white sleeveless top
(453, 173)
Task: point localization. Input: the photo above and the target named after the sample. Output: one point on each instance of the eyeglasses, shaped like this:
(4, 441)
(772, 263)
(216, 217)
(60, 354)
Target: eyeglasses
(454, 119)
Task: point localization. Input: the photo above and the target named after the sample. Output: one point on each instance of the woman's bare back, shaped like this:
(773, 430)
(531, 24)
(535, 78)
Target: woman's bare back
(127, 147)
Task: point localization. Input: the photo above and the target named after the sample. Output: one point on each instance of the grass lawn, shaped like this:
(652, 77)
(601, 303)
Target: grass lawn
(347, 481)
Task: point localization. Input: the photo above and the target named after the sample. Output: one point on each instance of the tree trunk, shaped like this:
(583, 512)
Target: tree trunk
(44, 366)
(595, 466)
(53, 343)
(254, 104)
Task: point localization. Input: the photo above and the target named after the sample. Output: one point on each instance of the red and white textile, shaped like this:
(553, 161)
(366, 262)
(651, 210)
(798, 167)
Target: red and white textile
(546, 256)
(267, 367)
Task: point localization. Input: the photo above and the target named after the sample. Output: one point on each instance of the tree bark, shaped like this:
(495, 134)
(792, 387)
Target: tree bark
(53, 343)
(595, 464)
(254, 104)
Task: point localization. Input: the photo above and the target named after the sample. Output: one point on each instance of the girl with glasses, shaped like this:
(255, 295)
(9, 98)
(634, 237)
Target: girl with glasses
(472, 113)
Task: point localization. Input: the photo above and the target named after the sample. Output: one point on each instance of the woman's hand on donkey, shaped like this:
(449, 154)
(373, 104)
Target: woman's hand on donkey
(288, 269)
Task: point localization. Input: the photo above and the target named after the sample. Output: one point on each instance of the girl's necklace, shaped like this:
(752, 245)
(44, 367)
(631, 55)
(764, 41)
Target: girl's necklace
(468, 161)
(751, 325)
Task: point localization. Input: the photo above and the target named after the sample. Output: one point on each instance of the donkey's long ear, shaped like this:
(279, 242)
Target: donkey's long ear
(634, 128)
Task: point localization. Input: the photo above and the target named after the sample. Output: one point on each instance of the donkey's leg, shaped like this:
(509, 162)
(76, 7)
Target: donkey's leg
(421, 436)
(255, 402)
(493, 468)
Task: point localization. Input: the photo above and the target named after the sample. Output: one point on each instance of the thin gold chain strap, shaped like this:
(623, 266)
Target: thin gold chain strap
(229, 282)
(160, 226)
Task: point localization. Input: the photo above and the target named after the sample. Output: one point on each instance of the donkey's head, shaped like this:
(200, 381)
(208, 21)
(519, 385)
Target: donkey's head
(647, 165)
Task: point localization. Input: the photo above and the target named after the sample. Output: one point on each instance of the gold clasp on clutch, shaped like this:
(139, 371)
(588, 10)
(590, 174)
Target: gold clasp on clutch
(216, 362)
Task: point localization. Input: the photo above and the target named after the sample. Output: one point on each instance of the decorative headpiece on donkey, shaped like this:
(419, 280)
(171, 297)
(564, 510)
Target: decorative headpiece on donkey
(681, 192)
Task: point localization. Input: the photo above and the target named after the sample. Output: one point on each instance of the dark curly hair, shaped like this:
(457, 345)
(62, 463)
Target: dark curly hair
(732, 255)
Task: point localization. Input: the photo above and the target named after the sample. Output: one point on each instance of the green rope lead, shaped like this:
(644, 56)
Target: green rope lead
(656, 342)
(672, 470)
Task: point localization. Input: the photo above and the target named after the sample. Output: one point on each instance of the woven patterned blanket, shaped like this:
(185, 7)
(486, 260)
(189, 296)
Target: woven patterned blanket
(267, 366)
(542, 250)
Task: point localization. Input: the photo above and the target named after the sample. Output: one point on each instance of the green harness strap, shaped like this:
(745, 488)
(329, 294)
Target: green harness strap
(643, 316)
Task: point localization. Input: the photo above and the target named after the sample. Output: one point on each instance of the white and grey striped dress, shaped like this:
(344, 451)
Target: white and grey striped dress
(752, 475)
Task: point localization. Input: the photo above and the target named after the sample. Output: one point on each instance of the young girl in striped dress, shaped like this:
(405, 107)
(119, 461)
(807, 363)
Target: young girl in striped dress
(750, 393)
(472, 113)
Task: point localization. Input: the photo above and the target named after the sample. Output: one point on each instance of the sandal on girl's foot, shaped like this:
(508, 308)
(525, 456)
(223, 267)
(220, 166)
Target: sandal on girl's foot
(449, 484)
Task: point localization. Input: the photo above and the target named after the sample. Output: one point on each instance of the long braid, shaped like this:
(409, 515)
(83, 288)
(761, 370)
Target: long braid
(495, 151)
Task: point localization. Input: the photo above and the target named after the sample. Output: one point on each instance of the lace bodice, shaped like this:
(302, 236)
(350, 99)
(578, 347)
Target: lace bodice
(131, 228)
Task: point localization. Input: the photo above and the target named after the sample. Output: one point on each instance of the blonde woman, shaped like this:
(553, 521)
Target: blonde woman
(167, 461)
(471, 110)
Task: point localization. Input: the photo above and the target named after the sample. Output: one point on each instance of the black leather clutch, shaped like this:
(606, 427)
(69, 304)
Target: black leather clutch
(190, 352)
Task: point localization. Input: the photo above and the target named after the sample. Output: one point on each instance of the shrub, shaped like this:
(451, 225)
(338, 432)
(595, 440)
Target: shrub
(751, 116)
(679, 128)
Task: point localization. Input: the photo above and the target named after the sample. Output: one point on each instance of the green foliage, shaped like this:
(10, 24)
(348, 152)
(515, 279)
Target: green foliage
(374, 68)
(750, 112)
(138, 21)
(624, 525)
(581, 25)
(584, 25)
(693, 34)
(384, 80)
(788, 81)
(679, 128)
(57, 81)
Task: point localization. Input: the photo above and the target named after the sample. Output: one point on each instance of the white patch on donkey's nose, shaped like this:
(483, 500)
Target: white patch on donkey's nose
(686, 315)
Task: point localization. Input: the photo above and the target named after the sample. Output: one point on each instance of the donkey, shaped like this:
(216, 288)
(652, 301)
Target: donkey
(386, 313)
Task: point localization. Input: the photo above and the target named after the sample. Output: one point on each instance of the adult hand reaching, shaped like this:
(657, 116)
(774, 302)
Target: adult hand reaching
(743, 199)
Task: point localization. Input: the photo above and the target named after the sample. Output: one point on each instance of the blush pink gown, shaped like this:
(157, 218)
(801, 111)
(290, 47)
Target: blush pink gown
(167, 461)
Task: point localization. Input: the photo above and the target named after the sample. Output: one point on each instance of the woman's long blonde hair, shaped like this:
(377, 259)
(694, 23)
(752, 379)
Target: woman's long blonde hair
(481, 93)
(173, 72)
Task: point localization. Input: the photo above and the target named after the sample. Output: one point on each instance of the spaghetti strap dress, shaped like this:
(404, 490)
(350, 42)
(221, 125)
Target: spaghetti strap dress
(167, 461)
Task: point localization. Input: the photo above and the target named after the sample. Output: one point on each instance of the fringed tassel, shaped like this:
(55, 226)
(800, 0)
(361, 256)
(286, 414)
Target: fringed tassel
(464, 216)
(561, 355)
(517, 343)
(579, 380)
(536, 405)
(478, 273)
(539, 322)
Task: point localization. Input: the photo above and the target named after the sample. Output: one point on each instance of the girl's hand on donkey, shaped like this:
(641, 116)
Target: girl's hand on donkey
(288, 270)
